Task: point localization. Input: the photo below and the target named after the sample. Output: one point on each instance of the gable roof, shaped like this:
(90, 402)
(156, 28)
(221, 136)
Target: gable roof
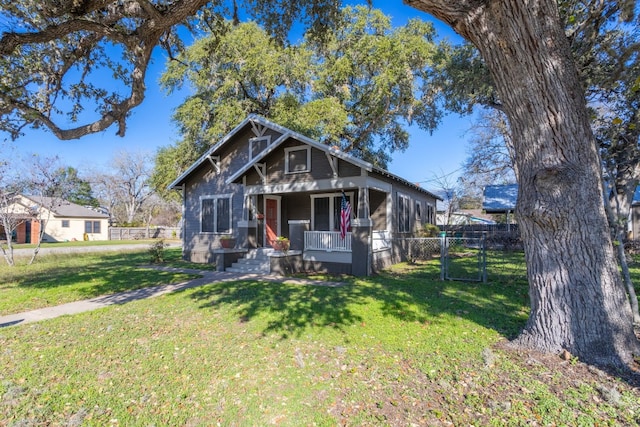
(286, 134)
(64, 208)
(500, 198)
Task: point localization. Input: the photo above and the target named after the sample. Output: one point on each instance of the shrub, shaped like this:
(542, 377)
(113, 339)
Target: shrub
(429, 230)
(156, 251)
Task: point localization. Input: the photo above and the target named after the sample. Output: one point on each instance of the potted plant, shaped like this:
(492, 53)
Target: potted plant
(227, 241)
(281, 243)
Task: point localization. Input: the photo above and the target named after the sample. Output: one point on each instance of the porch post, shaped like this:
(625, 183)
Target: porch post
(361, 236)
(360, 247)
(296, 233)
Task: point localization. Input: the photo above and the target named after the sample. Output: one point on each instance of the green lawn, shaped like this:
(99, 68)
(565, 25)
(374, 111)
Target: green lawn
(61, 278)
(82, 243)
(401, 348)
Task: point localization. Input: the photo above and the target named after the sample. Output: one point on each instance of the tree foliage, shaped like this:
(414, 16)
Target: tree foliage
(76, 189)
(84, 62)
(356, 88)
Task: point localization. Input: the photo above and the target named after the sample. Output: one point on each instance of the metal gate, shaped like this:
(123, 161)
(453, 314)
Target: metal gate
(461, 258)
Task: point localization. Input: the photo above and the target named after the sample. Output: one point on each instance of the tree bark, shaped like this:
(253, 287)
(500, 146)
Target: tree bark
(578, 301)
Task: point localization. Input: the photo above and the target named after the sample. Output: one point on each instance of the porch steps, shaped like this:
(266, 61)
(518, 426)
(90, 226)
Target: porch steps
(256, 261)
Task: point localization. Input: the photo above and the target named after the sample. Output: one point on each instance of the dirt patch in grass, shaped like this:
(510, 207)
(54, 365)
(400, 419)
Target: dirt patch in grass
(534, 388)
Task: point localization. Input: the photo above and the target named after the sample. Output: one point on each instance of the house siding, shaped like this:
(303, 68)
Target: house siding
(320, 167)
(54, 230)
(206, 181)
(52, 221)
(414, 196)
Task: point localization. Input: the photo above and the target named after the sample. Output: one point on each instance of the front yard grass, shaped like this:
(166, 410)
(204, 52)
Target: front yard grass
(398, 349)
(60, 278)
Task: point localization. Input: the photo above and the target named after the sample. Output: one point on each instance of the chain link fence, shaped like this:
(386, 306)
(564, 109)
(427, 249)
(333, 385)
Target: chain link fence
(481, 258)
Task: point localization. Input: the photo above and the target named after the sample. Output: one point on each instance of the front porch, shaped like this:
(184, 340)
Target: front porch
(311, 221)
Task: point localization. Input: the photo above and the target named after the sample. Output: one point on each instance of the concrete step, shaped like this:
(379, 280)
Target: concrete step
(260, 253)
(255, 261)
(239, 268)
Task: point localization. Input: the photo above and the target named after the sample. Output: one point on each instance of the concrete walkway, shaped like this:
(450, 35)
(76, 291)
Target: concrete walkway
(47, 250)
(150, 292)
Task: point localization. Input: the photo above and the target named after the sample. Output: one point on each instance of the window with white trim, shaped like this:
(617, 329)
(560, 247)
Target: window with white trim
(325, 211)
(297, 159)
(215, 214)
(404, 213)
(258, 145)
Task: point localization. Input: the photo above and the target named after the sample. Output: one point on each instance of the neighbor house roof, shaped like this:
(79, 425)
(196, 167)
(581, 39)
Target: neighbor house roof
(500, 198)
(64, 208)
(286, 134)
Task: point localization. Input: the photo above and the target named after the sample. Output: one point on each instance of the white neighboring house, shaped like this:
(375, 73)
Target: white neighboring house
(63, 220)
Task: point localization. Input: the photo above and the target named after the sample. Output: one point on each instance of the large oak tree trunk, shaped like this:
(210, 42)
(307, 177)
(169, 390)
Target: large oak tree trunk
(578, 301)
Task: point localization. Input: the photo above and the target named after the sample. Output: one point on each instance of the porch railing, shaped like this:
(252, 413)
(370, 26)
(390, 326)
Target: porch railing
(327, 241)
(380, 240)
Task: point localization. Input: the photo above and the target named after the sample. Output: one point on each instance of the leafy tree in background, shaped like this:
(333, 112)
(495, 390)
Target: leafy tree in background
(577, 298)
(357, 88)
(78, 190)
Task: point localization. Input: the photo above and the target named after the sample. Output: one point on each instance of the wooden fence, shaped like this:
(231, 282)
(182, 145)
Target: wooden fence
(138, 233)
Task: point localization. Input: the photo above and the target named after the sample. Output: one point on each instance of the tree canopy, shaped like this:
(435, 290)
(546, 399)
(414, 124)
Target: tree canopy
(358, 88)
(79, 67)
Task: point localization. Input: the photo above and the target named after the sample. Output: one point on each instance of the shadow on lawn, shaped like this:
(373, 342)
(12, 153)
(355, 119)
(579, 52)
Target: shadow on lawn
(411, 296)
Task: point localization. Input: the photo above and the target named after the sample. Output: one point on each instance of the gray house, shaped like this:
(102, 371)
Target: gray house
(263, 181)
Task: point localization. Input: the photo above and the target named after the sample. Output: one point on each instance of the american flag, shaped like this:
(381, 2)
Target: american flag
(345, 216)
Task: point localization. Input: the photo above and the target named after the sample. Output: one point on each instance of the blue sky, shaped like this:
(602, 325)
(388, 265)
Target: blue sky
(150, 127)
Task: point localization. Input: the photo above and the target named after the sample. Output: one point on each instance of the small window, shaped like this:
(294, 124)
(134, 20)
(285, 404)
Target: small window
(65, 223)
(404, 207)
(258, 145)
(419, 211)
(297, 159)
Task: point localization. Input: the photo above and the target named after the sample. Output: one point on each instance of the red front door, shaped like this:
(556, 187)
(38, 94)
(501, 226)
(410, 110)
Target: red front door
(271, 220)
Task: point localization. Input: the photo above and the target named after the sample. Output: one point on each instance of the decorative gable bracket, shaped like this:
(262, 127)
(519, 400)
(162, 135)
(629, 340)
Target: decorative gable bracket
(333, 162)
(215, 162)
(261, 169)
